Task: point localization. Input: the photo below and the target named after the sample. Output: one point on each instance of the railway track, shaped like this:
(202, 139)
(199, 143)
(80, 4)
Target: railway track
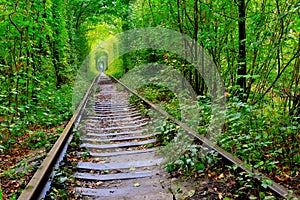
(115, 134)
(122, 162)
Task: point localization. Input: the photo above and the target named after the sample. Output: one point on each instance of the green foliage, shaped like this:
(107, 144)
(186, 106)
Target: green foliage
(166, 132)
(116, 69)
(272, 67)
(257, 136)
(52, 109)
(192, 160)
(35, 72)
(16, 173)
(44, 45)
(158, 95)
(40, 139)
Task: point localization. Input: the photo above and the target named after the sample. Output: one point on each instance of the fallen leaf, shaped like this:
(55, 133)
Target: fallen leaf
(132, 169)
(221, 176)
(191, 193)
(220, 196)
(99, 183)
(137, 185)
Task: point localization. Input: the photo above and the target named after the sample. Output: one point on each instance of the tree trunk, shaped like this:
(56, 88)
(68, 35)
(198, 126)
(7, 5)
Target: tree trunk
(242, 65)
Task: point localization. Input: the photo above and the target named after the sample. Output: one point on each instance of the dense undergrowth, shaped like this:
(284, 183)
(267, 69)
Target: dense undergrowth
(26, 138)
(266, 140)
(51, 109)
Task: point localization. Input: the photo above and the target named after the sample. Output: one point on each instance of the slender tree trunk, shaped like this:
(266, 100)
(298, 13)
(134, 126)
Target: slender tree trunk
(242, 65)
(196, 28)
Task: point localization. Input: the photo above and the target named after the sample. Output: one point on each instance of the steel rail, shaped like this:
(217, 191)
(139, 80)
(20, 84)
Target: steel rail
(38, 180)
(276, 188)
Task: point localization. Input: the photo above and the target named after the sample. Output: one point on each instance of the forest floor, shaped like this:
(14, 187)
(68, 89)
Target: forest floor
(19, 163)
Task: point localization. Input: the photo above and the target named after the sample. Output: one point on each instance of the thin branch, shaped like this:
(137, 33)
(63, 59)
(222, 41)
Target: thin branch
(152, 14)
(13, 23)
(296, 55)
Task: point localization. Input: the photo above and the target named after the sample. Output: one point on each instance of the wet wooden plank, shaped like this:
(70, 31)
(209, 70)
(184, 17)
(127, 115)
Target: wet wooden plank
(123, 165)
(119, 153)
(116, 134)
(119, 145)
(125, 191)
(118, 176)
(112, 119)
(96, 140)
